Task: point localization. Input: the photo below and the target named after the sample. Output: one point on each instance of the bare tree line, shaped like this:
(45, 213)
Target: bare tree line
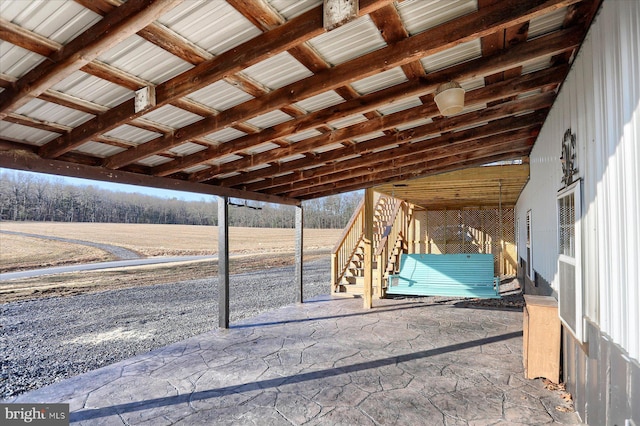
(34, 198)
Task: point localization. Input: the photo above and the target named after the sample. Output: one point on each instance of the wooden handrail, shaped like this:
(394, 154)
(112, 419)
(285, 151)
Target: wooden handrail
(347, 228)
(393, 219)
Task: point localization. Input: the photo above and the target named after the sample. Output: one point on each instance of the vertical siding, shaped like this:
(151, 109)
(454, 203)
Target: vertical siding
(600, 102)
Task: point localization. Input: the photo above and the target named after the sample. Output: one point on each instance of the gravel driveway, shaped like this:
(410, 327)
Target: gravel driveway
(46, 340)
(119, 252)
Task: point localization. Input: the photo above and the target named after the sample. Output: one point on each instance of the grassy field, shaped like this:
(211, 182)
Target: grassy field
(260, 248)
(176, 240)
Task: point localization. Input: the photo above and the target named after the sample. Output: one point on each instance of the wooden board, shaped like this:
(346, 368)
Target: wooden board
(475, 187)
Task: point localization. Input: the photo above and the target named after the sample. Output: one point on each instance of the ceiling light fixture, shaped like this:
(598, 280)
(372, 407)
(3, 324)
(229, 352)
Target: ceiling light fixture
(449, 98)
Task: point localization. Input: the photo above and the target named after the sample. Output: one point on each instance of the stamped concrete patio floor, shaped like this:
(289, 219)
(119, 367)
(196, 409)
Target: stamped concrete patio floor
(327, 361)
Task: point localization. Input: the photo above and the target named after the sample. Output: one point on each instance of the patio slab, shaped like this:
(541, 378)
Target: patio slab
(406, 361)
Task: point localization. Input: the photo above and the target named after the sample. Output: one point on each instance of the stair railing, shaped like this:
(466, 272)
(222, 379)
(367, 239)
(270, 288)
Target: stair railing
(387, 258)
(344, 251)
(347, 245)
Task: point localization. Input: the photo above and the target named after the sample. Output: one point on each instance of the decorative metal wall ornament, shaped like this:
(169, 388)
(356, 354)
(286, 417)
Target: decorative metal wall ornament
(568, 157)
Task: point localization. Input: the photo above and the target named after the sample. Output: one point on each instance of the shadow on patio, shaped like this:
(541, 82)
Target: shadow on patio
(403, 362)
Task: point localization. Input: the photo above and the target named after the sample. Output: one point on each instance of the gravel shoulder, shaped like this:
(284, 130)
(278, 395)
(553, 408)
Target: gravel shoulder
(46, 340)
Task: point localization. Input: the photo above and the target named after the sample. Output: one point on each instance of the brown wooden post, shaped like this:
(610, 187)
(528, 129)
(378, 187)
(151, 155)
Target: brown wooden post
(368, 248)
(299, 258)
(223, 262)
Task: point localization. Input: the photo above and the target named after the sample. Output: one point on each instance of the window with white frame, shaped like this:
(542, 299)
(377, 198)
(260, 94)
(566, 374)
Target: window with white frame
(529, 247)
(569, 259)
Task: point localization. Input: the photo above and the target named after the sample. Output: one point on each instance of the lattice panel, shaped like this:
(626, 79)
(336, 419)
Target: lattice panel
(436, 224)
(473, 231)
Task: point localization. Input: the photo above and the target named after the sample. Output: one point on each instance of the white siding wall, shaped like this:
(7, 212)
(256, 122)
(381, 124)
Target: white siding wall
(600, 102)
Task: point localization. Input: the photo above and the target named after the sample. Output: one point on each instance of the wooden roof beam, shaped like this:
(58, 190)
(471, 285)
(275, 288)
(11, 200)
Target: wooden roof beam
(543, 46)
(482, 95)
(22, 160)
(284, 37)
(438, 127)
(431, 41)
(106, 33)
(374, 178)
(440, 147)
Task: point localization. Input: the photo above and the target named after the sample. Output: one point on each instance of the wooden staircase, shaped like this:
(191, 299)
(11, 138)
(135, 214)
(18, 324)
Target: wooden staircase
(388, 243)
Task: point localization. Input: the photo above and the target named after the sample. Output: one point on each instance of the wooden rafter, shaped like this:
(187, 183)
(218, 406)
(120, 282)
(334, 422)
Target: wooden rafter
(307, 156)
(450, 34)
(409, 156)
(543, 46)
(30, 162)
(284, 37)
(106, 33)
(478, 96)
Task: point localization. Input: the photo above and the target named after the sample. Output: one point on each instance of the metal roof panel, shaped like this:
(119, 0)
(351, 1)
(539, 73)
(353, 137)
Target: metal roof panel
(291, 158)
(400, 105)
(369, 136)
(225, 159)
(412, 124)
(461, 53)
(52, 113)
(93, 89)
(57, 20)
(347, 121)
(30, 135)
(325, 148)
(303, 135)
(172, 116)
(380, 81)
(536, 65)
(267, 146)
(420, 15)
(292, 8)
(195, 169)
(145, 60)
(98, 149)
(16, 61)
(277, 71)
(187, 149)
(269, 119)
(224, 135)
(349, 41)
(213, 25)
(154, 160)
(220, 96)
(321, 101)
(545, 24)
(134, 135)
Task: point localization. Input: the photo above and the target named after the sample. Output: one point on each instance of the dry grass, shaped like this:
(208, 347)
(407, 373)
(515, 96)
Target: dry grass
(261, 248)
(176, 240)
(20, 253)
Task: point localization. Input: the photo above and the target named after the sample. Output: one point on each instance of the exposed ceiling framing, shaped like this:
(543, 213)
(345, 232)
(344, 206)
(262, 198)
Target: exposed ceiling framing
(255, 99)
(472, 188)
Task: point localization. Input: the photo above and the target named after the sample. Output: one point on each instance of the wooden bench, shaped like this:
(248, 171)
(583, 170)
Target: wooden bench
(455, 275)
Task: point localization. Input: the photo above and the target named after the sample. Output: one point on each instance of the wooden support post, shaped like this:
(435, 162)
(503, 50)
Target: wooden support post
(368, 248)
(380, 276)
(223, 262)
(299, 257)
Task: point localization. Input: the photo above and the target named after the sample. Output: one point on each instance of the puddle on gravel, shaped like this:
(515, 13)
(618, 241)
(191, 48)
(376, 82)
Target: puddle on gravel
(108, 336)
